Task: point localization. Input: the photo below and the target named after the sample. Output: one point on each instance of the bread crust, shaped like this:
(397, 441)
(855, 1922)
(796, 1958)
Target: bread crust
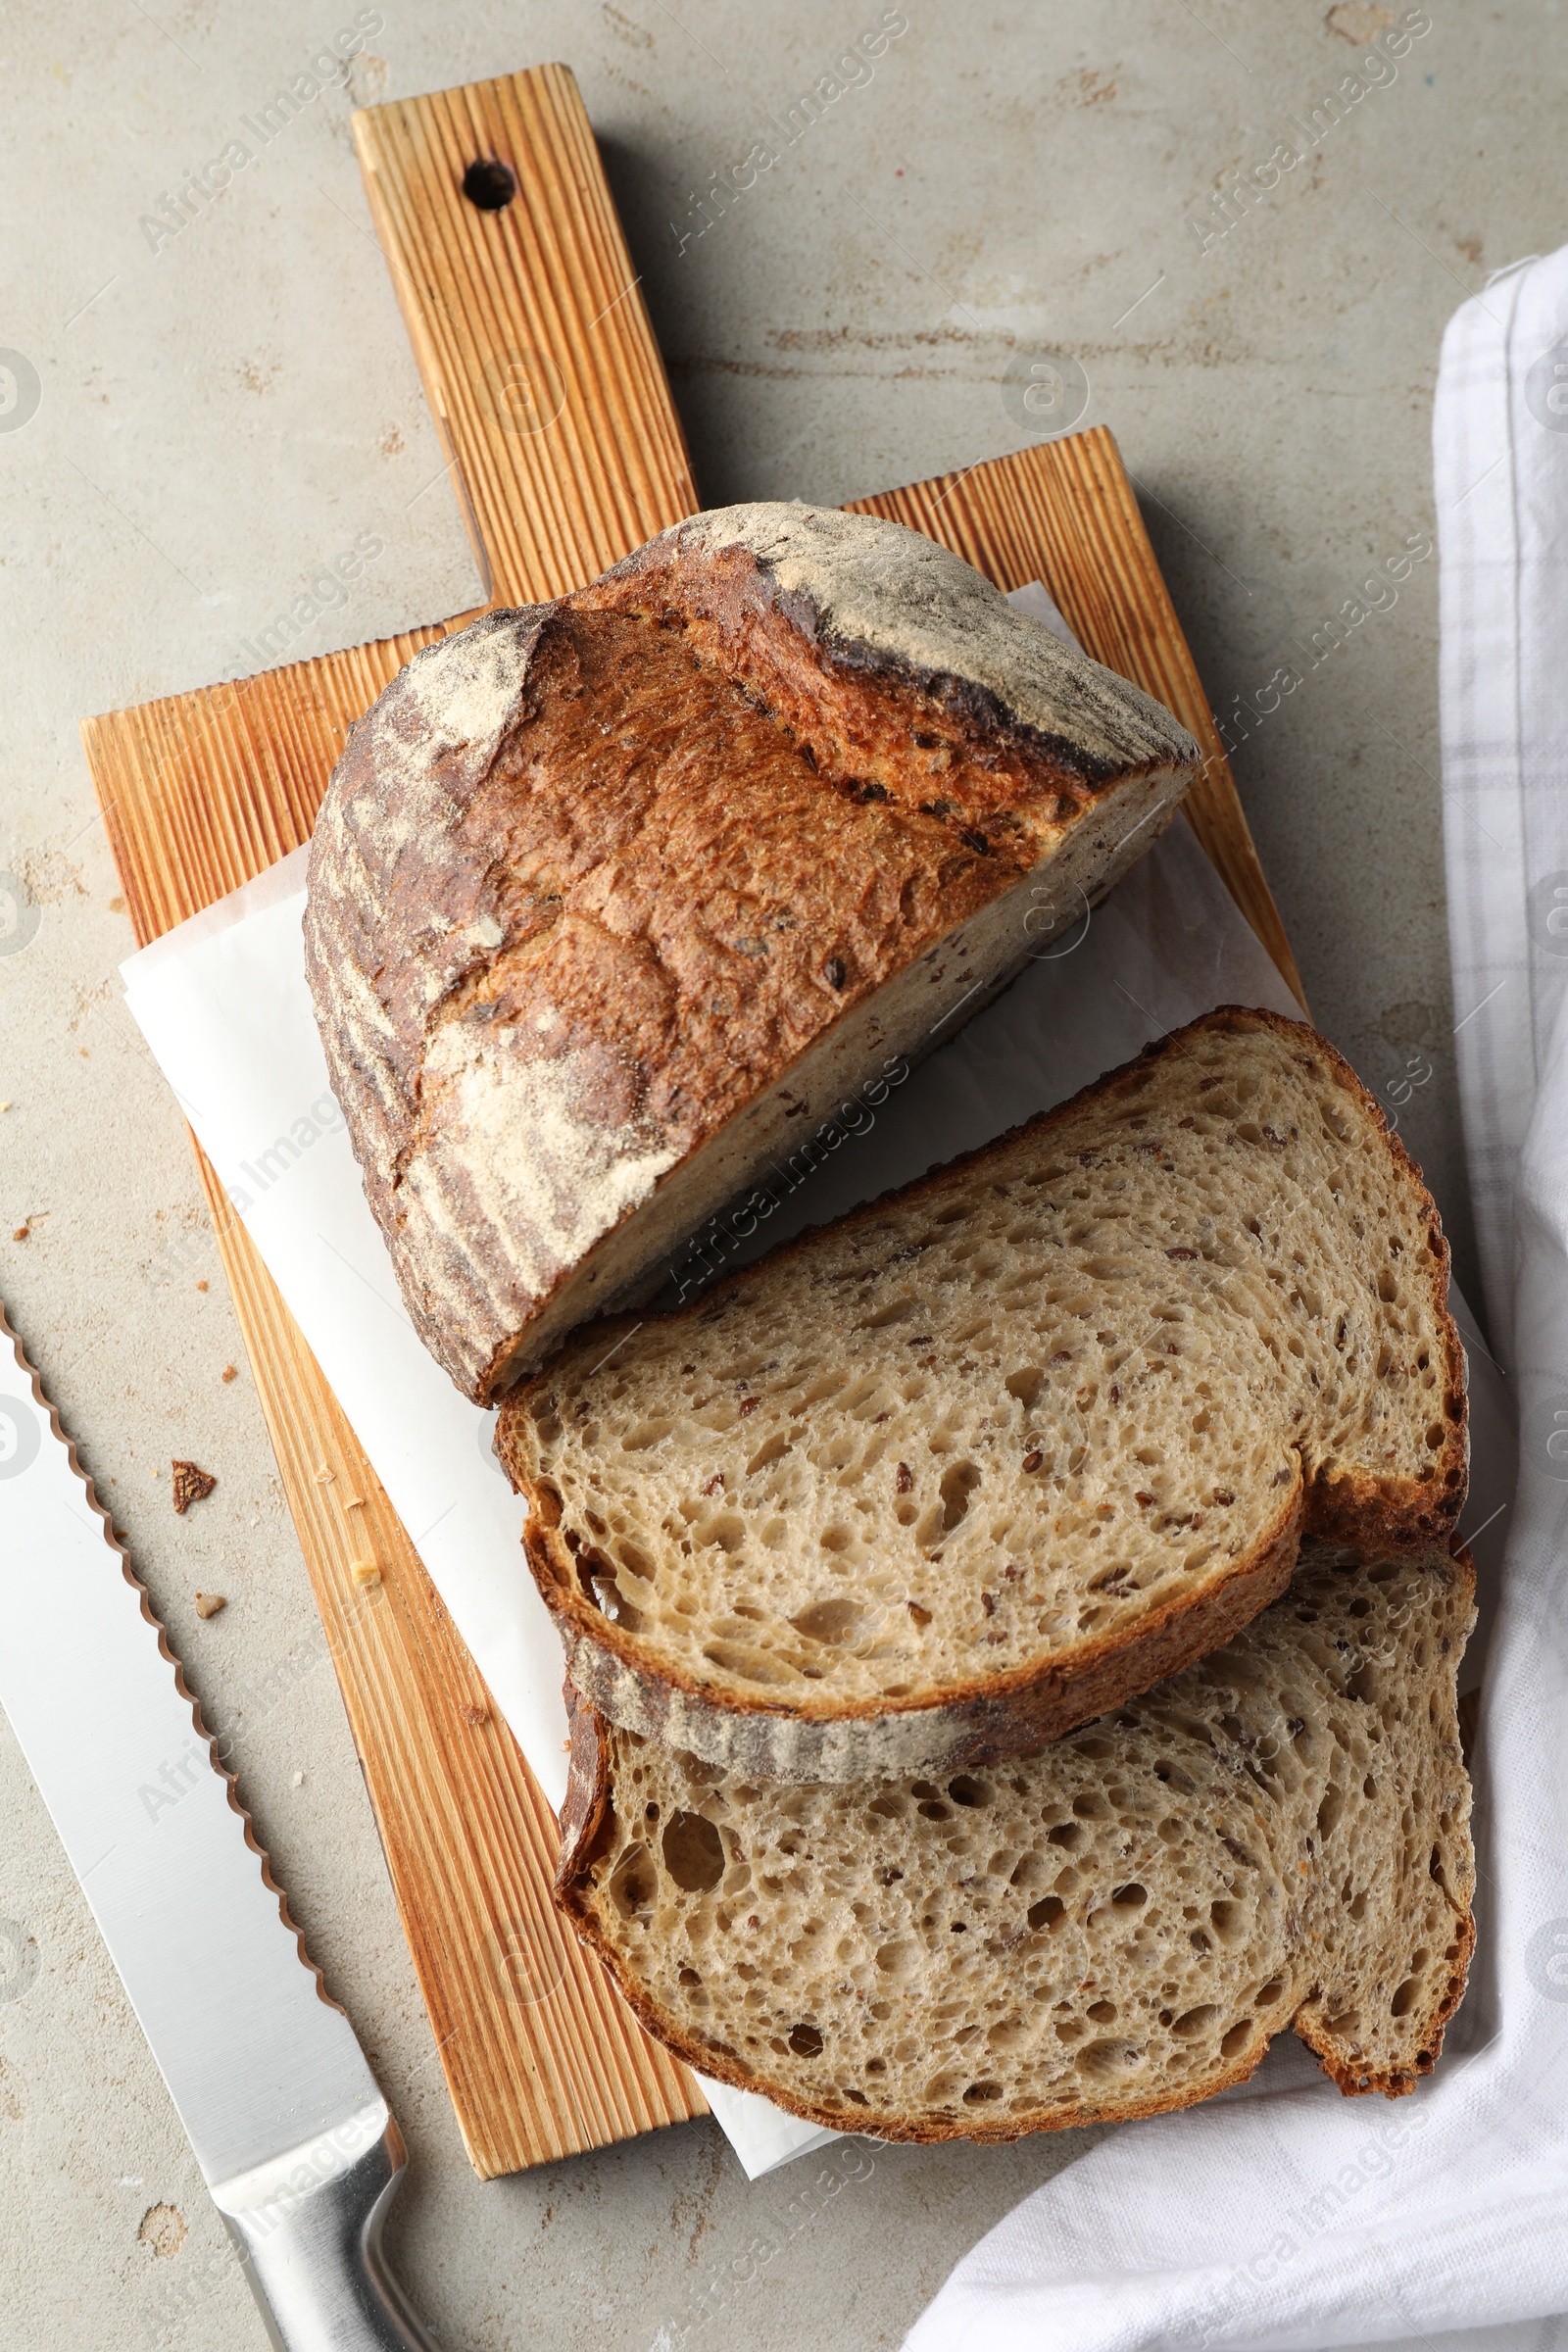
(585, 1823)
(523, 928)
(985, 1719)
(967, 1722)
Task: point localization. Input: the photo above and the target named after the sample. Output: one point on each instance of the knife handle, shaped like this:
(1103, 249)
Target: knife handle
(313, 2259)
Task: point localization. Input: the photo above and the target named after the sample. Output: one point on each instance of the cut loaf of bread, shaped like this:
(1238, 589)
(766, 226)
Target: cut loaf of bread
(613, 900)
(934, 1484)
(1116, 1927)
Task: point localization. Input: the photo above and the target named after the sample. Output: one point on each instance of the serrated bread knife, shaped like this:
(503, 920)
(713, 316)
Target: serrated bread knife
(297, 2145)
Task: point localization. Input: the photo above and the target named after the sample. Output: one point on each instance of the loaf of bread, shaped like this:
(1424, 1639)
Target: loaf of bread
(614, 900)
(1116, 1927)
(933, 1484)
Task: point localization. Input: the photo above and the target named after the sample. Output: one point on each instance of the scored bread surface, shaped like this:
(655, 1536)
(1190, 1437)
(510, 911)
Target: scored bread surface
(612, 899)
(941, 1480)
(1113, 1928)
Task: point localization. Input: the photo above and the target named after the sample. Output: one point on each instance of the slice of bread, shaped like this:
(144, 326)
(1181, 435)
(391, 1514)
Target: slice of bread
(613, 900)
(1277, 1837)
(936, 1482)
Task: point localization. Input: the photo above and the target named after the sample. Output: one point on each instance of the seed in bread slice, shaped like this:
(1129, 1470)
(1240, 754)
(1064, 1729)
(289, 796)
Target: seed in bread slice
(936, 1482)
(1113, 1928)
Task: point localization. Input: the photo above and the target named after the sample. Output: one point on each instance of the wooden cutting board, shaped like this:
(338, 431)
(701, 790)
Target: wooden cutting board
(551, 399)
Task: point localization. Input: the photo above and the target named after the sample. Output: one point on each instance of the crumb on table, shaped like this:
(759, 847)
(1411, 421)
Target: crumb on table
(191, 1484)
(208, 1604)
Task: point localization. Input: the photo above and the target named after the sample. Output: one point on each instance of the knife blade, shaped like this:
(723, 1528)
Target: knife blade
(299, 2149)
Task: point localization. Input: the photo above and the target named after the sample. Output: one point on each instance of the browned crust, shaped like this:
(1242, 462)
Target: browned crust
(1005, 1714)
(732, 598)
(390, 903)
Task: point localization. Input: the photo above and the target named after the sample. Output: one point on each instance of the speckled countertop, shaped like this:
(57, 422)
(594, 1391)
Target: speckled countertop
(204, 418)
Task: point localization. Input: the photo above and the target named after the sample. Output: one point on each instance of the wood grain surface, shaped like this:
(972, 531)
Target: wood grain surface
(512, 314)
(530, 330)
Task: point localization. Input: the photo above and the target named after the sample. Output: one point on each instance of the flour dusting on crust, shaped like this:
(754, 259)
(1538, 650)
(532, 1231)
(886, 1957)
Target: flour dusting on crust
(467, 687)
(517, 1150)
(878, 586)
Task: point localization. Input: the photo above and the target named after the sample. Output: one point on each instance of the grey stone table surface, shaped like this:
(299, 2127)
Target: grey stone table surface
(209, 408)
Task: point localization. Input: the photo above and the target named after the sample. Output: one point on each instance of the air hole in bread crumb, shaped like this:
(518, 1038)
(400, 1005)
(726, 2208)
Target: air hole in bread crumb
(957, 1485)
(1193, 2022)
(1106, 2059)
(897, 1960)
(634, 1883)
(694, 1852)
(839, 1620)
(898, 1310)
(755, 1664)
(645, 1434)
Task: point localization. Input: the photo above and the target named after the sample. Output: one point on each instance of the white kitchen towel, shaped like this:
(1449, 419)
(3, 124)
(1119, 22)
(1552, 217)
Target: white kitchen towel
(1294, 2216)
(1500, 443)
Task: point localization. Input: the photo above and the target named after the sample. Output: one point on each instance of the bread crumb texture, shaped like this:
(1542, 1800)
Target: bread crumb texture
(1015, 1416)
(1276, 1836)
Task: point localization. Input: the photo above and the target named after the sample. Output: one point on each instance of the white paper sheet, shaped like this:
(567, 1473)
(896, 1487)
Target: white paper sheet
(224, 1005)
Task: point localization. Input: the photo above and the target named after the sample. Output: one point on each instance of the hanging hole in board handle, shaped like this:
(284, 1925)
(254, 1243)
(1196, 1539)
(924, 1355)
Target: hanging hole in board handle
(489, 185)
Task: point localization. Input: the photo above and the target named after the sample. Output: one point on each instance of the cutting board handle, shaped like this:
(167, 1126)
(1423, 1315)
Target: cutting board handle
(528, 325)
